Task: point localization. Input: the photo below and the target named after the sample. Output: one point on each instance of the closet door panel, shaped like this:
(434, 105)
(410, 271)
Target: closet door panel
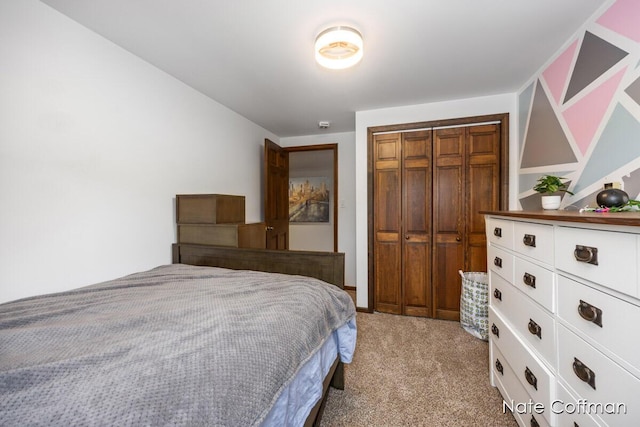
(482, 190)
(448, 225)
(388, 296)
(416, 220)
(387, 211)
(387, 224)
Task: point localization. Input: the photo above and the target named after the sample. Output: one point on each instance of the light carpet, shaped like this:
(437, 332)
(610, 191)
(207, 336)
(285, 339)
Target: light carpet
(410, 371)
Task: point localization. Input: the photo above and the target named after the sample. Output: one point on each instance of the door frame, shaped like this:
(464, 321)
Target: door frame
(321, 147)
(502, 118)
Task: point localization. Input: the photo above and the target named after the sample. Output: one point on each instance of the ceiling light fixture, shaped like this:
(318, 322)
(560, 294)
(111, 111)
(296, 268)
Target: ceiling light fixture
(339, 47)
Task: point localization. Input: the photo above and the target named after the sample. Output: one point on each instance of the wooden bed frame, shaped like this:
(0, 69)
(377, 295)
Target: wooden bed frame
(327, 266)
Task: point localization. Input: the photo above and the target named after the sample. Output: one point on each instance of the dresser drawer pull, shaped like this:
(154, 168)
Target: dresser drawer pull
(497, 232)
(497, 261)
(590, 313)
(583, 372)
(586, 254)
(529, 240)
(529, 280)
(535, 329)
(497, 294)
(534, 422)
(531, 379)
(494, 330)
(499, 367)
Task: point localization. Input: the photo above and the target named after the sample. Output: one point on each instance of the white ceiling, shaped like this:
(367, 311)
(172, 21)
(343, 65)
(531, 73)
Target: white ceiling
(256, 56)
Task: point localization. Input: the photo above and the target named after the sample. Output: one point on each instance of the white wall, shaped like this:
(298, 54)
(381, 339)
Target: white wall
(94, 145)
(346, 192)
(496, 104)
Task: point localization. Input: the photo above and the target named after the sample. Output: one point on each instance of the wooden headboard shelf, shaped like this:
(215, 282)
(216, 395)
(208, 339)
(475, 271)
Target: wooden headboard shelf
(327, 266)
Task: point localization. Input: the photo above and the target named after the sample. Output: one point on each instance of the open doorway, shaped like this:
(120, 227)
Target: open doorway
(313, 197)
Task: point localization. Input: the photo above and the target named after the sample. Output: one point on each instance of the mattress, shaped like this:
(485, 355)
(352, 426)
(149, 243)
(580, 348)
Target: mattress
(176, 345)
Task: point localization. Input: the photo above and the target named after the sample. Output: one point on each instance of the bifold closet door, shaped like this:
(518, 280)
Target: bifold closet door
(465, 181)
(402, 221)
(416, 223)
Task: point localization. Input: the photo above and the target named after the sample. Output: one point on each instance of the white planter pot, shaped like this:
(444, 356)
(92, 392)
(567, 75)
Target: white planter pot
(551, 202)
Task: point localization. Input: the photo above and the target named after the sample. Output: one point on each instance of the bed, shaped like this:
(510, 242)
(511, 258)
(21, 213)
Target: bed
(190, 343)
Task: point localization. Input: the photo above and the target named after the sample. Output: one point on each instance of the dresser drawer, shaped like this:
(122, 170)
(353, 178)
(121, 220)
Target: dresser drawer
(605, 257)
(534, 376)
(501, 262)
(606, 384)
(568, 412)
(536, 282)
(500, 232)
(605, 319)
(534, 240)
(534, 325)
(516, 399)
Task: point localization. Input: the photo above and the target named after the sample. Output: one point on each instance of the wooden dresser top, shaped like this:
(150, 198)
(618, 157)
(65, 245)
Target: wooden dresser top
(610, 218)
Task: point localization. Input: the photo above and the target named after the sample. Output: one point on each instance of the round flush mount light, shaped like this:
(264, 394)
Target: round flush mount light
(339, 47)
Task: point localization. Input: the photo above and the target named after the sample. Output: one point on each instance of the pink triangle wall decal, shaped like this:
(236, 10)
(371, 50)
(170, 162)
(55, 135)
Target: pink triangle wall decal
(623, 18)
(585, 117)
(557, 73)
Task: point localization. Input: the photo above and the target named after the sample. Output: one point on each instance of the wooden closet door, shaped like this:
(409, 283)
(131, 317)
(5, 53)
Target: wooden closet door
(448, 220)
(416, 223)
(466, 181)
(482, 191)
(387, 222)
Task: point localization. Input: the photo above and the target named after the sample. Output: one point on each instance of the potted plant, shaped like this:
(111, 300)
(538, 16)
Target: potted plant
(549, 186)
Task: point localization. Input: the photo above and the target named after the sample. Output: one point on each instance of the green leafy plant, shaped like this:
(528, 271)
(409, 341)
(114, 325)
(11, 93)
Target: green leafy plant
(631, 205)
(549, 184)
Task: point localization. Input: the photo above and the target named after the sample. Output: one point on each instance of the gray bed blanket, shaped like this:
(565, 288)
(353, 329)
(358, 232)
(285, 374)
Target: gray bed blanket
(177, 345)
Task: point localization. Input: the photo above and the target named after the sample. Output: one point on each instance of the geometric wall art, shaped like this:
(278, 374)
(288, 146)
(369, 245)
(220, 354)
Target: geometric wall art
(545, 141)
(623, 17)
(595, 58)
(586, 101)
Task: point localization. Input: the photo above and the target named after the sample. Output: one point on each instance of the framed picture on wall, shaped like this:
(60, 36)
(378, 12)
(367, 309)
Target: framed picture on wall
(309, 199)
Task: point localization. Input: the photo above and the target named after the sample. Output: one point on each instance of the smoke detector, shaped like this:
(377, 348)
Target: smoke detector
(324, 125)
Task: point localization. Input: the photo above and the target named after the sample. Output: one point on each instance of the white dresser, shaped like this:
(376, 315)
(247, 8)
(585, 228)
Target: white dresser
(564, 316)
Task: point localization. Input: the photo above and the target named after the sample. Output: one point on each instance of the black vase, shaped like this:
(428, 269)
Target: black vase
(612, 197)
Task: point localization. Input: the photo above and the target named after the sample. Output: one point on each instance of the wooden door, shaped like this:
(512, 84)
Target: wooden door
(448, 220)
(402, 218)
(482, 191)
(387, 250)
(466, 180)
(416, 223)
(276, 196)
